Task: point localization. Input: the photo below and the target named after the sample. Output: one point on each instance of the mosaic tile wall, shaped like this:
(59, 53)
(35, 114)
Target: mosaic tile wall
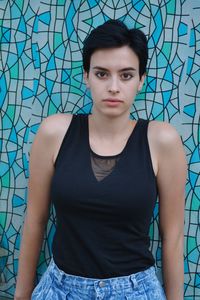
(41, 74)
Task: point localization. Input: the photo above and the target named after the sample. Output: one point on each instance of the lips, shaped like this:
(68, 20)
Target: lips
(112, 100)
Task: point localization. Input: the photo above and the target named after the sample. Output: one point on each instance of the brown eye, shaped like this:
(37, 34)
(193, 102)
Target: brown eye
(101, 74)
(126, 76)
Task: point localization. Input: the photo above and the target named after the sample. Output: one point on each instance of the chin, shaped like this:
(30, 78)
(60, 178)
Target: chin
(114, 113)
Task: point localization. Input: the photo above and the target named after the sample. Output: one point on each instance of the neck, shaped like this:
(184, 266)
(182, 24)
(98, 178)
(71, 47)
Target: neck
(106, 126)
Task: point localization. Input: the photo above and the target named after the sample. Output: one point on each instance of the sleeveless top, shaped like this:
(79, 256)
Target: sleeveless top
(102, 226)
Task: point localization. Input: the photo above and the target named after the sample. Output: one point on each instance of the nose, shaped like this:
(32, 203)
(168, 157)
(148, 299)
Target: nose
(113, 86)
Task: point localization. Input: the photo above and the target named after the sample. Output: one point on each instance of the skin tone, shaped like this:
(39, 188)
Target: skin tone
(113, 83)
(109, 128)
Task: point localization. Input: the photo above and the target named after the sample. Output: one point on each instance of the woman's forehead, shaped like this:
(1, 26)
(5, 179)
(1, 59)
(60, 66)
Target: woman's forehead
(120, 58)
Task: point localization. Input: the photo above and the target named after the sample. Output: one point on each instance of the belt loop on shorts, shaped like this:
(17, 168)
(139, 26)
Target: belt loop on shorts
(58, 273)
(134, 280)
(155, 268)
(51, 262)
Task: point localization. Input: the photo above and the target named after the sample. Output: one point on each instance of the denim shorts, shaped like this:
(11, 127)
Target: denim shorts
(58, 285)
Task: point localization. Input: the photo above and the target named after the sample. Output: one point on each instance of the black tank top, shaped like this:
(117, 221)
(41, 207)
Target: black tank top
(102, 227)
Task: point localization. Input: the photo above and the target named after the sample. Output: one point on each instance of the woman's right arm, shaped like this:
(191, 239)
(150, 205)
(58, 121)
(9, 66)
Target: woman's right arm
(41, 168)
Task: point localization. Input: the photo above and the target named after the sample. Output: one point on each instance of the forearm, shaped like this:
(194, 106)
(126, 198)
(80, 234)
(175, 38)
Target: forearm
(29, 254)
(173, 269)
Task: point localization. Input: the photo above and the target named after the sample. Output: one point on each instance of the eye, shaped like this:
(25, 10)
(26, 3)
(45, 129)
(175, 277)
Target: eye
(126, 76)
(101, 74)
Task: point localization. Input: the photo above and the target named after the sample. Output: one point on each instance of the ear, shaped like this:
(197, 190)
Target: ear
(142, 79)
(85, 75)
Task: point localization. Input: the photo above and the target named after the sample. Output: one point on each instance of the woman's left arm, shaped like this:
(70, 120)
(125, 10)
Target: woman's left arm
(171, 180)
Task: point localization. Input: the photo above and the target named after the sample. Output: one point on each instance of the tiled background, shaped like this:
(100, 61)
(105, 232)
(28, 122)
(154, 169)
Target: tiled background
(41, 74)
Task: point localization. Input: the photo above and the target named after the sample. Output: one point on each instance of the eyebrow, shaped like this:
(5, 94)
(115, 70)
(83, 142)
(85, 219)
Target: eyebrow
(124, 69)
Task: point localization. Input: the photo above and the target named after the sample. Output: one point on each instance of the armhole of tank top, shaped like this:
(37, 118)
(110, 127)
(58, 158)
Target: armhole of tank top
(63, 140)
(148, 149)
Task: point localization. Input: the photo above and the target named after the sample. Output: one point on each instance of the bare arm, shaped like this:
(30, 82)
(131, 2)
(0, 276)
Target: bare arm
(171, 180)
(41, 168)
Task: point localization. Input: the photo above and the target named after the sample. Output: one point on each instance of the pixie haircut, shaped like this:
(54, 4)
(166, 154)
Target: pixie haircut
(114, 34)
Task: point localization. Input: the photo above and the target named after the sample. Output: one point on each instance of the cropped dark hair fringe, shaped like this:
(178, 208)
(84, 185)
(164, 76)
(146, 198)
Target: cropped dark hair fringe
(113, 34)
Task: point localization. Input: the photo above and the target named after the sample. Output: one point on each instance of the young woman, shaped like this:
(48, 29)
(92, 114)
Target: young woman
(103, 172)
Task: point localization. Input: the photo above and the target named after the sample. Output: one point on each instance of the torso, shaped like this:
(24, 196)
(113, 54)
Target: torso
(64, 121)
(116, 205)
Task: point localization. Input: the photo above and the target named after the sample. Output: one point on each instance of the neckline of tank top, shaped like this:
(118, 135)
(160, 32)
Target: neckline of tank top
(110, 156)
(105, 156)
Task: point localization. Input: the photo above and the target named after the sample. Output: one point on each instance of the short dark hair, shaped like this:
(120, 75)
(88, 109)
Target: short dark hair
(115, 33)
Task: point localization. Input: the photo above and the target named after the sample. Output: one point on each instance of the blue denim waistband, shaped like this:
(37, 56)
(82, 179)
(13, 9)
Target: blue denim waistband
(121, 282)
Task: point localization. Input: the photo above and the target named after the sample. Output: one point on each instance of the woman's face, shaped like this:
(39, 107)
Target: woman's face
(114, 80)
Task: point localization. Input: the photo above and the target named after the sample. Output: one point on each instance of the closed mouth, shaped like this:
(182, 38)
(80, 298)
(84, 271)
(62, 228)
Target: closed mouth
(112, 100)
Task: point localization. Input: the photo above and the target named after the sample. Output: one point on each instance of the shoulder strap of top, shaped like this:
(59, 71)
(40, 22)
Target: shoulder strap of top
(144, 128)
(138, 140)
(73, 134)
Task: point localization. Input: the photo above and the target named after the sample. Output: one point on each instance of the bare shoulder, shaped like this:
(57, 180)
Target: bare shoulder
(163, 135)
(56, 124)
(51, 133)
(165, 144)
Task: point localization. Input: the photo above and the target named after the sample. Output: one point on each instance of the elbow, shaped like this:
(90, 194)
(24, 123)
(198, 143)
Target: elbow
(173, 244)
(35, 223)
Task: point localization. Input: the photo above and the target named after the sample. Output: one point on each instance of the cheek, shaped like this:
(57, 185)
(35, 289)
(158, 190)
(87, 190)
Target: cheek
(93, 82)
(132, 90)
(95, 91)
(96, 87)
